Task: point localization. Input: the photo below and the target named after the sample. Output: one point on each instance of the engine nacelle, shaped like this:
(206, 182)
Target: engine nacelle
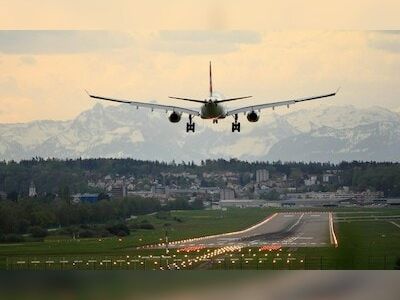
(252, 116)
(174, 117)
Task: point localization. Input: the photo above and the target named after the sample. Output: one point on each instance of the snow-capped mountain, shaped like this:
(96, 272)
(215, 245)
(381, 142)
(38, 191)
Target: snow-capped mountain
(331, 133)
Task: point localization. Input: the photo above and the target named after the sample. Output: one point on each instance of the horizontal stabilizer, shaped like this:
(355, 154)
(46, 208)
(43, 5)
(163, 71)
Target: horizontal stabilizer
(187, 99)
(232, 99)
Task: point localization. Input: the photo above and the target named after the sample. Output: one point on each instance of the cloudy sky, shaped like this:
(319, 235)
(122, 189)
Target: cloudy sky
(50, 53)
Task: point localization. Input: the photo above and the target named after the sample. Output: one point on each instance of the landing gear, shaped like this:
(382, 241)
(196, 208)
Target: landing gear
(236, 124)
(190, 125)
(215, 121)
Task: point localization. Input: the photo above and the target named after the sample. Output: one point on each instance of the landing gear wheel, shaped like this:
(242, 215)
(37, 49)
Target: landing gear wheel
(235, 127)
(190, 126)
(236, 124)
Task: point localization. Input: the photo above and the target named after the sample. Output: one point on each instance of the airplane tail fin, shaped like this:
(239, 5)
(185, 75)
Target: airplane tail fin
(211, 88)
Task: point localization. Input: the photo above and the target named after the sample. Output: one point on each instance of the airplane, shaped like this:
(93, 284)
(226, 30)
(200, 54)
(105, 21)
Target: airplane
(211, 108)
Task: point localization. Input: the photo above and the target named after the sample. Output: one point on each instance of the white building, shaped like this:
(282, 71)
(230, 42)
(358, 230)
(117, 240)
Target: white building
(32, 190)
(313, 180)
(262, 175)
(227, 194)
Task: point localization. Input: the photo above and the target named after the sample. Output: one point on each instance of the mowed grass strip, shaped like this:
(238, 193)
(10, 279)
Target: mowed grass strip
(372, 244)
(180, 225)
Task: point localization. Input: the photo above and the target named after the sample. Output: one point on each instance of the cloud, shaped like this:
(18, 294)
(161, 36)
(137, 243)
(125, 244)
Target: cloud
(199, 36)
(61, 41)
(204, 41)
(385, 40)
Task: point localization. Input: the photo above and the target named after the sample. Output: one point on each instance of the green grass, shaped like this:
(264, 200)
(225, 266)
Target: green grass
(373, 244)
(194, 223)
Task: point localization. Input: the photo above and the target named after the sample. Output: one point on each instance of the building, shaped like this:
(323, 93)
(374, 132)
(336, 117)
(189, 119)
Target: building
(32, 190)
(393, 202)
(119, 191)
(313, 180)
(330, 178)
(240, 203)
(159, 190)
(262, 175)
(91, 198)
(227, 194)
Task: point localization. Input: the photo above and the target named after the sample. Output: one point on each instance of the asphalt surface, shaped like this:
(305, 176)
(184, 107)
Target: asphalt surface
(285, 229)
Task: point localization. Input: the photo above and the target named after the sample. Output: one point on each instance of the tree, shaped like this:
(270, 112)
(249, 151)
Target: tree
(270, 195)
(103, 196)
(13, 196)
(65, 194)
(198, 204)
(119, 229)
(38, 232)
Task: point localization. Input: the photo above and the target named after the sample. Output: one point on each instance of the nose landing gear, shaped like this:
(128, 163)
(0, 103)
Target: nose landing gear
(190, 126)
(236, 124)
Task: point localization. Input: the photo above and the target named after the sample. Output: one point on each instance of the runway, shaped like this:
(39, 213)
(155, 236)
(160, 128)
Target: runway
(285, 229)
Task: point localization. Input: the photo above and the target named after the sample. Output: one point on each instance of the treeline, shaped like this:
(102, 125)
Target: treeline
(23, 216)
(54, 175)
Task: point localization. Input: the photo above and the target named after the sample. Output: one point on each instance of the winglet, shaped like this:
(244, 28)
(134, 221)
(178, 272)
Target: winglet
(88, 93)
(338, 89)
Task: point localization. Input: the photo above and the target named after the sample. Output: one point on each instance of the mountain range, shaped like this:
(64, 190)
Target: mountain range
(326, 133)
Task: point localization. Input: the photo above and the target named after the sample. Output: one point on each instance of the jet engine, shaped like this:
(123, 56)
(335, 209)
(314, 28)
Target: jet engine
(174, 117)
(252, 116)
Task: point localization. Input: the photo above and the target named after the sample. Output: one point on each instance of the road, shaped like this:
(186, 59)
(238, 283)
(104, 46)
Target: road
(286, 229)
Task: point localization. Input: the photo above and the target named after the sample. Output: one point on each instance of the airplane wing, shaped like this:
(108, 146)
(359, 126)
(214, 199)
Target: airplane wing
(276, 104)
(150, 105)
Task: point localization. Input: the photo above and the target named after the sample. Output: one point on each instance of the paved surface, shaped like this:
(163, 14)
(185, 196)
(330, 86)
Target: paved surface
(286, 229)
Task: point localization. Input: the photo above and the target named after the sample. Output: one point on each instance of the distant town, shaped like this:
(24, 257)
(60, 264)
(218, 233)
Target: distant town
(215, 184)
(228, 189)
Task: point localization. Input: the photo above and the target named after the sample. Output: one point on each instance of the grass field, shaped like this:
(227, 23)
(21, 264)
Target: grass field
(363, 244)
(193, 223)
